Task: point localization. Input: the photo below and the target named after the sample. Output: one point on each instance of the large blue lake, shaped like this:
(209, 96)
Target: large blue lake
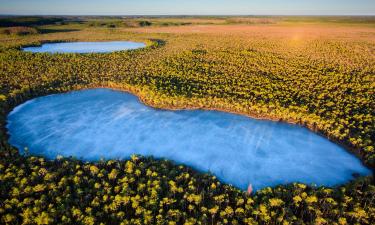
(103, 123)
(86, 47)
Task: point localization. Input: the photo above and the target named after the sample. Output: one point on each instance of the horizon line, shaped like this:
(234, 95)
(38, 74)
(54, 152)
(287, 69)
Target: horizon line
(187, 14)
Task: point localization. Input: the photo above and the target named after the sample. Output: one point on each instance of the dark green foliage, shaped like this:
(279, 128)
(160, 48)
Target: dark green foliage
(145, 23)
(28, 21)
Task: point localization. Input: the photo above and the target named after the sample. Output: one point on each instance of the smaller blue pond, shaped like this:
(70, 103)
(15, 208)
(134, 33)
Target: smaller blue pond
(97, 123)
(86, 47)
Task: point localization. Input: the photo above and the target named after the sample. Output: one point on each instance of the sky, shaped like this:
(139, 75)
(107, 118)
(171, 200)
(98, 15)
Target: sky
(188, 7)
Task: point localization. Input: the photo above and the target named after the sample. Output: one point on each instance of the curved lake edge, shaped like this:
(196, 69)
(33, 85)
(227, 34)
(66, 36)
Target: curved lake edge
(136, 91)
(145, 101)
(148, 43)
(353, 176)
(131, 90)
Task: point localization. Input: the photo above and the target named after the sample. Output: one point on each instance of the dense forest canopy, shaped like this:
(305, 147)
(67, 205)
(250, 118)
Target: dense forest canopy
(318, 75)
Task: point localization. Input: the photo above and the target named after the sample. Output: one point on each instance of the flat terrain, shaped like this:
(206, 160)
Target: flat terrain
(317, 72)
(307, 31)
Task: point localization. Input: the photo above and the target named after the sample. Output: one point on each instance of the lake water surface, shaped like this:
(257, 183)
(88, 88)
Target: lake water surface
(86, 47)
(103, 123)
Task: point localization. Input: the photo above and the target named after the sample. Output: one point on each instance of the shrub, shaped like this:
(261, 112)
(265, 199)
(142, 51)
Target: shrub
(20, 30)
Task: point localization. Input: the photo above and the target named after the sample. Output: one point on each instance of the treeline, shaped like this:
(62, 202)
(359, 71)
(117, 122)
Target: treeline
(325, 84)
(29, 21)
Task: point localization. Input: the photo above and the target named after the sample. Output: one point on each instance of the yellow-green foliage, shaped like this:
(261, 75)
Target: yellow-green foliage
(325, 83)
(147, 191)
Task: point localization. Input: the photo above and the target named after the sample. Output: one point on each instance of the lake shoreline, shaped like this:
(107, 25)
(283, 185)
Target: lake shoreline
(142, 97)
(136, 92)
(228, 145)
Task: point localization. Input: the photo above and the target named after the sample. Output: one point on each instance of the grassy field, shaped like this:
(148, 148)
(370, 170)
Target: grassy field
(314, 71)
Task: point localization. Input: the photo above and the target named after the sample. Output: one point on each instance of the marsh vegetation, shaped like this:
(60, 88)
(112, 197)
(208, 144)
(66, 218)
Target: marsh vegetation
(319, 75)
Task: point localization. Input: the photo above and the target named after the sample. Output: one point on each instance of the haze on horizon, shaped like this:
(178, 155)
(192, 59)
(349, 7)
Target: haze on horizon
(192, 7)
